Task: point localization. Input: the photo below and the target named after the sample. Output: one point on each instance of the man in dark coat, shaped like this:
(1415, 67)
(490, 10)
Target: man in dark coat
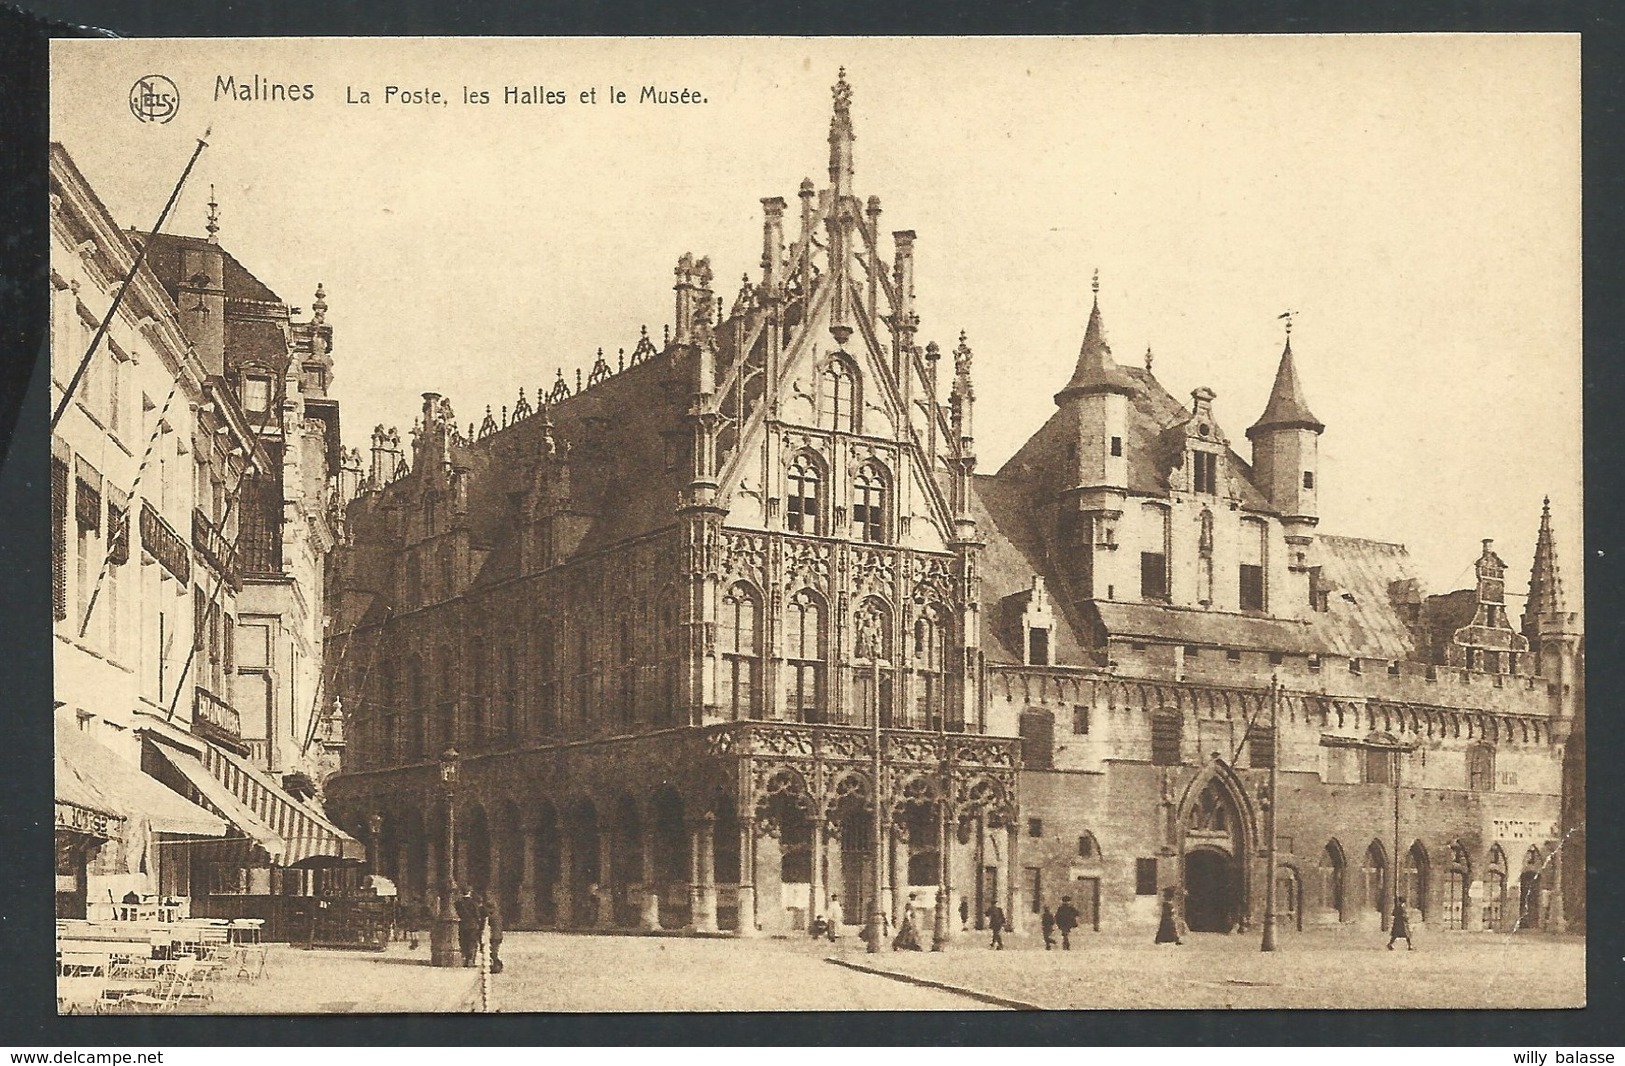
(1401, 925)
(1046, 921)
(468, 926)
(995, 918)
(1066, 920)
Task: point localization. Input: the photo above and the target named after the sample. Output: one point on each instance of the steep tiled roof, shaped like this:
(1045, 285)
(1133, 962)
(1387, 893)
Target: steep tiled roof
(165, 259)
(1178, 625)
(1369, 587)
(1014, 554)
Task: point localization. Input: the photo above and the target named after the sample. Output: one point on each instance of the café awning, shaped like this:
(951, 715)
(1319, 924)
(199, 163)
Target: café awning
(289, 832)
(91, 777)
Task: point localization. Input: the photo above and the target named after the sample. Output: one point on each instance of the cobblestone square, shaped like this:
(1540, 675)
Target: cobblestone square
(549, 972)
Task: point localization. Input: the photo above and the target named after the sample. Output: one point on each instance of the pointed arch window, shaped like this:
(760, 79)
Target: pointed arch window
(869, 504)
(930, 666)
(667, 621)
(738, 636)
(838, 397)
(803, 499)
(418, 699)
(804, 657)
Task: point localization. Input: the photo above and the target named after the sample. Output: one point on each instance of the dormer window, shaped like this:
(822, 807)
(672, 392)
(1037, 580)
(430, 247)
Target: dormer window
(1205, 473)
(256, 393)
(838, 397)
(1038, 647)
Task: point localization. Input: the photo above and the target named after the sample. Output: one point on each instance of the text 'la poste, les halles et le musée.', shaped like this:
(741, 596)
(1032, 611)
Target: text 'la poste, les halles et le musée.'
(258, 89)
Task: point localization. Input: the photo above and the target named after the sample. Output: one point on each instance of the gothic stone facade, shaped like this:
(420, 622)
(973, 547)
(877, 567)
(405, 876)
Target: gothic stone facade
(662, 617)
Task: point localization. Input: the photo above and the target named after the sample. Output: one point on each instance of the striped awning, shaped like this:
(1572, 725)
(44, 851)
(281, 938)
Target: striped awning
(290, 833)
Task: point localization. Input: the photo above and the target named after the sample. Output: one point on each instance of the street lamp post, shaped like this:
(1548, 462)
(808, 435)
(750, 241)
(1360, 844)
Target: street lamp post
(1395, 749)
(1272, 799)
(443, 947)
(877, 920)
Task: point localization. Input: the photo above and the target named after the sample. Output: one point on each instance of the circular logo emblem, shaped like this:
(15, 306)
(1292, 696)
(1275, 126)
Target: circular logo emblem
(154, 98)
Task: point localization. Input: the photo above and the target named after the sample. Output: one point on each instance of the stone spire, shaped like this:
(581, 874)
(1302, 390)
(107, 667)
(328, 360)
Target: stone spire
(1097, 371)
(319, 308)
(841, 137)
(1545, 583)
(1286, 408)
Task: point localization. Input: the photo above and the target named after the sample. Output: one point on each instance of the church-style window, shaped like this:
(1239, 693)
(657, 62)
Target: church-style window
(1379, 762)
(869, 504)
(801, 505)
(737, 642)
(930, 663)
(1153, 576)
(1481, 768)
(804, 657)
(1206, 472)
(838, 397)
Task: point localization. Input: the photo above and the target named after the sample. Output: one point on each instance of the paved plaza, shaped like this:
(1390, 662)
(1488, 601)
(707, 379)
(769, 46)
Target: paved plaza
(570, 973)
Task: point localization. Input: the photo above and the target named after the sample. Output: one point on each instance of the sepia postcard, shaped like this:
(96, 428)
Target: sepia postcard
(742, 524)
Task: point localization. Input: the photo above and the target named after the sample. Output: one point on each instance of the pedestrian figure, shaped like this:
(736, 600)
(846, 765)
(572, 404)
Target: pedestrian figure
(908, 935)
(964, 914)
(1400, 926)
(835, 917)
(1167, 930)
(995, 917)
(1066, 920)
(818, 928)
(468, 926)
(493, 923)
(1046, 921)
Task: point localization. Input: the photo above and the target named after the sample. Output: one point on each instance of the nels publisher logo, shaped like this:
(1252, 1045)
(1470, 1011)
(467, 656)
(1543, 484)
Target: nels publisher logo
(154, 98)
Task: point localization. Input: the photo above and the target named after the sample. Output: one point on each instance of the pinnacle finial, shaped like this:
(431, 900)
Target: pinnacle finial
(1288, 315)
(319, 308)
(213, 225)
(1094, 284)
(1148, 358)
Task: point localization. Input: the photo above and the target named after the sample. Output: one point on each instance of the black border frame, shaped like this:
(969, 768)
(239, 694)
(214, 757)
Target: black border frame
(25, 643)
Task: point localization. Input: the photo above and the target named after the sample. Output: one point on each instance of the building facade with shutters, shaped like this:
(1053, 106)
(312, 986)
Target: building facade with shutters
(150, 461)
(652, 651)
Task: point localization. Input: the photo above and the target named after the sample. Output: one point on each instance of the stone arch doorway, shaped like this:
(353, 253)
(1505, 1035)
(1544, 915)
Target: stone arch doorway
(585, 878)
(1212, 890)
(1375, 872)
(548, 860)
(510, 872)
(1216, 830)
(625, 860)
(1529, 890)
(667, 812)
(1334, 881)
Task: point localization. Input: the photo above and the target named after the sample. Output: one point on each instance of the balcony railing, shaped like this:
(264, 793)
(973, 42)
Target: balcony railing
(217, 551)
(160, 540)
(216, 715)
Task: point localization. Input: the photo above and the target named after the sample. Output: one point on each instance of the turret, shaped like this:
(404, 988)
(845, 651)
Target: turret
(1553, 631)
(1286, 441)
(1097, 401)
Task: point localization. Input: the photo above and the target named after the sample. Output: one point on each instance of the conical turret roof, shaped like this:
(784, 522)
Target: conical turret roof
(1097, 371)
(1286, 408)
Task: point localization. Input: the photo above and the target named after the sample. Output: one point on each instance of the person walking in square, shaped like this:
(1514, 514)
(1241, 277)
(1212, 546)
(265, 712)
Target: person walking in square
(468, 926)
(1066, 920)
(1400, 926)
(1168, 928)
(964, 914)
(1046, 921)
(995, 918)
(836, 917)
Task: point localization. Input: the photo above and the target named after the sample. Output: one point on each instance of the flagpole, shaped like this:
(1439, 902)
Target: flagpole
(118, 298)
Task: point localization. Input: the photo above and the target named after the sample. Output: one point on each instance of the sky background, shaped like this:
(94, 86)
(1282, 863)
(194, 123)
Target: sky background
(1415, 200)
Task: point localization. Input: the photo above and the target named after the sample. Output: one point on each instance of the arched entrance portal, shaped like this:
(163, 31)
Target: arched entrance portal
(1212, 891)
(1215, 832)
